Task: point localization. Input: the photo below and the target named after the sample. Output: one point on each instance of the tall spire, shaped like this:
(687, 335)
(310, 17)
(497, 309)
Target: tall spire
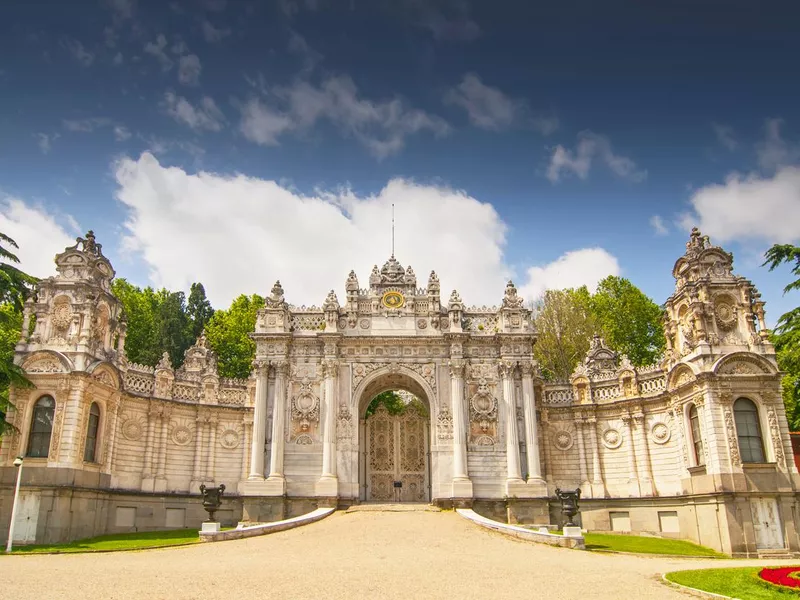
(392, 229)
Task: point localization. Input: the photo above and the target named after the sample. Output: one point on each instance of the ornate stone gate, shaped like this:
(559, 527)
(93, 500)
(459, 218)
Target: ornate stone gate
(317, 368)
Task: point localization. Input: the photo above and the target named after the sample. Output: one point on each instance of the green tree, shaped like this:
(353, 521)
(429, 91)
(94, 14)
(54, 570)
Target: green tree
(565, 326)
(15, 286)
(157, 323)
(786, 335)
(227, 334)
(143, 340)
(198, 308)
(174, 325)
(390, 399)
(629, 321)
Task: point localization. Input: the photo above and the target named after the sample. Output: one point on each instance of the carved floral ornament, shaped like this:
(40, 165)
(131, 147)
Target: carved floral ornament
(660, 433)
(612, 438)
(563, 440)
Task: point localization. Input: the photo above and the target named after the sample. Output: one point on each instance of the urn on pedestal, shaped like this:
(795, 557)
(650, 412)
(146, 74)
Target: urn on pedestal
(569, 506)
(212, 500)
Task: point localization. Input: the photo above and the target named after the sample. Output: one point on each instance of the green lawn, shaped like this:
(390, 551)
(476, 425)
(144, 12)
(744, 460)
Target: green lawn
(646, 545)
(741, 582)
(121, 541)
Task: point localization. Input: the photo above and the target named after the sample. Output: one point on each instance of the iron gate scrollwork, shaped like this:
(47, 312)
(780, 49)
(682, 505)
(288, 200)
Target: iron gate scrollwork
(398, 452)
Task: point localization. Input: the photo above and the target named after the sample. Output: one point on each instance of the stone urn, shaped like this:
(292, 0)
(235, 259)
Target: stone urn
(569, 504)
(212, 499)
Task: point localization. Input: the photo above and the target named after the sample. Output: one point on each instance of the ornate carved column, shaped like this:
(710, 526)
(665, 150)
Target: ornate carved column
(197, 471)
(147, 469)
(598, 485)
(211, 463)
(328, 483)
(512, 439)
(259, 422)
(579, 426)
(112, 409)
(643, 451)
(247, 426)
(462, 485)
(161, 473)
(548, 459)
(531, 427)
(72, 430)
(633, 478)
(278, 422)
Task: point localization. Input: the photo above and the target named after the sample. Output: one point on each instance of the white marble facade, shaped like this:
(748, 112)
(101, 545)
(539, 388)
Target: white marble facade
(496, 431)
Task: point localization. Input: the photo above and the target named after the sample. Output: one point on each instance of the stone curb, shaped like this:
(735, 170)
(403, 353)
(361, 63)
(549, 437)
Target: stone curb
(265, 528)
(551, 539)
(695, 591)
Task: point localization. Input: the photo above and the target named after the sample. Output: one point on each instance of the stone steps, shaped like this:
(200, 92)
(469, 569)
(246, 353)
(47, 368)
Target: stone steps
(393, 507)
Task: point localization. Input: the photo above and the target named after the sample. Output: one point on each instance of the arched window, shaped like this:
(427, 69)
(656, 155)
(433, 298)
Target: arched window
(41, 427)
(748, 430)
(91, 433)
(697, 437)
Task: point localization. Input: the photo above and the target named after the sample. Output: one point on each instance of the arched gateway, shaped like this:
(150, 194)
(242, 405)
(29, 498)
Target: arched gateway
(319, 368)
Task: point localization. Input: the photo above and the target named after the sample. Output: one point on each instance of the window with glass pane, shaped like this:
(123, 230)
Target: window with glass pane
(91, 433)
(41, 427)
(697, 439)
(748, 430)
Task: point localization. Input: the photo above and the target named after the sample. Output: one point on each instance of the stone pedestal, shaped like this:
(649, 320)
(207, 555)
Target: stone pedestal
(327, 487)
(572, 532)
(536, 488)
(462, 488)
(210, 527)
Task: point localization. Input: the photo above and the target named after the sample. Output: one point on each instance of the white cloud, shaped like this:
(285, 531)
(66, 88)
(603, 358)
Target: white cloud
(773, 151)
(489, 108)
(380, 126)
(658, 225)
(205, 115)
(46, 141)
(591, 148)
(587, 266)
(117, 60)
(192, 227)
(725, 136)
(78, 52)
(755, 207)
(212, 34)
(156, 49)
(86, 125)
(121, 133)
(215, 5)
(189, 68)
(261, 124)
(37, 233)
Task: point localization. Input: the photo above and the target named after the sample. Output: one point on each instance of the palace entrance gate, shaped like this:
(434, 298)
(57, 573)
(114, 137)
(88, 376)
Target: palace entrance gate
(397, 456)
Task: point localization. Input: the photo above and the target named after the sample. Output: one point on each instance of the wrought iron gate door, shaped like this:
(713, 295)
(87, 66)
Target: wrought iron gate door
(397, 453)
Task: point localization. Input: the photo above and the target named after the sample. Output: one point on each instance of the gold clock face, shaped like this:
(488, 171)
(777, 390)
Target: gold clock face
(393, 300)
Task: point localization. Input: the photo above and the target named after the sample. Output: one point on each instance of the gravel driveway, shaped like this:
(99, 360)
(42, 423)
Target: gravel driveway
(349, 555)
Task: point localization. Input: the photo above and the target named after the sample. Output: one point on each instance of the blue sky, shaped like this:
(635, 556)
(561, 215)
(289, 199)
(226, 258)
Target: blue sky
(237, 143)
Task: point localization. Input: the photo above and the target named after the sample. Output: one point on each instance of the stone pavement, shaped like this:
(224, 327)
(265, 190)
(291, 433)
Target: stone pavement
(362, 554)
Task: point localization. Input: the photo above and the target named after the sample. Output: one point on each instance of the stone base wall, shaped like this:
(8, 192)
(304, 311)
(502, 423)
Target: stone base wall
(723, 522)
(59, 505)
(265, 509)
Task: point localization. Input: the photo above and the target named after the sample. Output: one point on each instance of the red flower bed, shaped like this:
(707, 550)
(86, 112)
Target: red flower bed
(786, 576)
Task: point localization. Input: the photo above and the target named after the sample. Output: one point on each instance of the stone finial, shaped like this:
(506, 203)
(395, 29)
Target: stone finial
(331, 302)
(277, 291)
(352, 282)
(410, 278)
(164, 363)
(375, 276)
(433, 282)
(511, 298)
(455, 299)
